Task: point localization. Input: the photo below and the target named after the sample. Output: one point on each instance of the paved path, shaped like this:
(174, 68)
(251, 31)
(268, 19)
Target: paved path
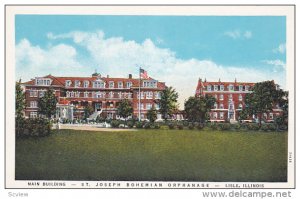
(94, 128)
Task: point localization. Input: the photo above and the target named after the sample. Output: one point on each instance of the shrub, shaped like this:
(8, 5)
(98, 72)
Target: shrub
(272, 127)
(130, 124)
(224, 126)
(180, 126)
(264, 127)
(156, 125)
(199, 126)
(147, 125)
(213, 126)
(139, 125)
(253, 126)
(191, 126)
(171, 125)
(115, 123)
(185, 123)
(33, 127)
(236, 126)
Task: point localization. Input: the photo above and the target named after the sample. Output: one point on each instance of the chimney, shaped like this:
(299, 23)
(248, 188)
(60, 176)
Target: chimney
(130, 76)
(219, 80)
(107, 76)
(235, 80)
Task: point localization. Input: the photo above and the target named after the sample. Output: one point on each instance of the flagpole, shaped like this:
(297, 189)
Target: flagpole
(139, 93)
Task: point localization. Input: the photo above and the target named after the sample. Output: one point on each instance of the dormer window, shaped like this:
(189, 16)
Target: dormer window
(43, 81)
(86, 84)
(246, 88)
(77, 83)
(208, 87)
(241, 87)
(68, 83)
(128, 84)
(221, 87)
(215, 87)
(111, 84)
(98, 84)
(150, 83)
(120, 84)
(231, 87)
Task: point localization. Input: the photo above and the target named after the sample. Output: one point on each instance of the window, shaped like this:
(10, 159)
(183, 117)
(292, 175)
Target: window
(157, 95)
(72, 94)
(222, 87)
(231, 87)
(33, 93)
(241, 87)
(221, 97)
(271, 116)
(246, 88)
(215, 115)
(68, 83)
(33, 104)
(209, 88)
(86, 94)
(41, 93)
(77, 83)
(240, 106)
(150, 84)
(43, 81)
(77, 94)
(221, 106)
(215, 106)
(240, 97)
(142, 106)
(98, 84)
(215, 87)
(142, 95)
(148, 106)
(265, 116)
(111, 95)
(33, 114)
(86, 84)
(157, 107)
(216, 96)
(230, 97)
(120, 94)
(128, 84)
(68, 94)
(111, 84)
(221, 115)
(120, 84)
(149, 95)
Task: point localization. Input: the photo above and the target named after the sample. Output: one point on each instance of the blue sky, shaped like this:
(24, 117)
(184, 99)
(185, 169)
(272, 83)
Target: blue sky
(174, 49)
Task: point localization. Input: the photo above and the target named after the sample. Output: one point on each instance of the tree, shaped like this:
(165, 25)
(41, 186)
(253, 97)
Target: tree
(168, 102)
(20, 100)
(152, 114)
(47, 104)
(262, 99)
(197, 108)
(125, 108)
(88, 110)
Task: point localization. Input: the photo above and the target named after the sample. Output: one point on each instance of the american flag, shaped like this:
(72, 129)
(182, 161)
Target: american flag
(144, 74)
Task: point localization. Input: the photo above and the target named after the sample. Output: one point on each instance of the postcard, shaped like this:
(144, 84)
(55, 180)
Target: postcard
(150, 97)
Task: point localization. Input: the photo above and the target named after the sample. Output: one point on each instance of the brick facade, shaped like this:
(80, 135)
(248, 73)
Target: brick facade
(102, 93)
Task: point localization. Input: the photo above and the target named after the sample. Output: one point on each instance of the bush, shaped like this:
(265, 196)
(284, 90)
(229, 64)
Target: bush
(213, 126)
(156, 125)
(252, 126)
(198, 125)
(180, 126)
(139, 125)
(225, 126)
(115, 123)
(171, 125)
(33, 127)
(236, 126)
(130, 124)
(185, 123)
(191, 126)
(272, 127)
(147, 125)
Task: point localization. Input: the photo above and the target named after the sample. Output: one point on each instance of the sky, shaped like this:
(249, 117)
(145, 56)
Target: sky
(177, 50)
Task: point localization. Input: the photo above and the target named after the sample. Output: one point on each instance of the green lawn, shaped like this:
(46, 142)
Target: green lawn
(162, 155)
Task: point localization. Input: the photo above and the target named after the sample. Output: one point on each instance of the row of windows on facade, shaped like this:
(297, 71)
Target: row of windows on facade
(230, 97)
(221, 106)
(99, 94)
(229, 88)
(220, 115)
(111, 84)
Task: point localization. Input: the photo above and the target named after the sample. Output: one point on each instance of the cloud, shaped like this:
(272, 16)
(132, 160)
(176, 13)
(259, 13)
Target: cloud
(237, 34)
(118, 57)
(280, 49)
(276, 63)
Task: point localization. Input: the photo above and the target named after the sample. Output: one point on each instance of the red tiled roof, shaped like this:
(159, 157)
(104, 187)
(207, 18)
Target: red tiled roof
(60, 81)
(64, 101)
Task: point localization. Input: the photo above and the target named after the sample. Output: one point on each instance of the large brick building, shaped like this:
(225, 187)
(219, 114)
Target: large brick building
(102, 93)
(230, 99)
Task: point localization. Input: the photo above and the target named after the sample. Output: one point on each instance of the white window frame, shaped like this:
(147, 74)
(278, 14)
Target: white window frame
(33, 114)
(216, 96)
(240, 106)
(231, 87)
(120, 84)
(149, 94)
(33, 93)
(221, 97)
(86, 83)
(208, 87)
(111, 84)
(41, 93)
(221, 106)
(221, 115)
(86, 94)
(247, 88)
(221, 87)
(215, 115)
(240, 97)
(77, 83)
(33, 104)
(271, 116)
(215, 105)
(240, 87)
(128, 84)
(215, 87)
(68, 83)
(148, 106)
